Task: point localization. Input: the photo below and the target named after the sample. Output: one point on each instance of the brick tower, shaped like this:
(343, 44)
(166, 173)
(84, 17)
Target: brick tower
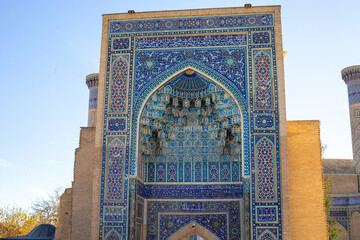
(92, 81)
(351, 76)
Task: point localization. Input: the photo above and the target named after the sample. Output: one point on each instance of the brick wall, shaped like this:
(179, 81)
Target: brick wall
(83, 185)
(307, 212)
(63, 228)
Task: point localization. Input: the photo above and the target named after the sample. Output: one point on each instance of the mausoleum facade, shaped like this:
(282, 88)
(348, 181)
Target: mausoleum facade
(187, 131)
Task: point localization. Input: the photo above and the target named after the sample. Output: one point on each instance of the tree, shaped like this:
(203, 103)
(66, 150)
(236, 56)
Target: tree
(334, 232)
(16, 221)
(46, 210)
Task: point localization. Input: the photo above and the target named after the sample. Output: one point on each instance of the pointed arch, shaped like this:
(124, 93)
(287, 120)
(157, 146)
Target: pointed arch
(189, 230)
(116, 142)
(212, 110)
(142, 98)
(113, 235)
(267, 235)
(344, 233)
(190, 64)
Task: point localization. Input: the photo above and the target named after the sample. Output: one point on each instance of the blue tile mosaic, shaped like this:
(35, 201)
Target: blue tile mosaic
(266, 214)
(191, 23)
(265, 169)
(263, 79)
(264, 121)
(218, 191)
(117, 124)
(266, 233)
(185, 125)
(191, 41)
(235, 53)
(261, 37)
(216, 216)
(118, 87)
(120, 43)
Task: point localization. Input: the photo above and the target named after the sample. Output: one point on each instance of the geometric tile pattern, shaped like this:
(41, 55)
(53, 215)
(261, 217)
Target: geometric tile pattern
(117, 124)
(191, 41)
(93, 98)
(216, 223)
(351, 76)
(343, 209)
(261, 37)
(266, 233)
(266, 214)
(115, 169)
(118, 88)
(265, 172)
(112, 233)
(263, 89)
(355, 132)
(247, 211)
(216, 216)
(120, 43)
(113, 213)
(218, 191)
(230, 63)
(267, 236)
(264, 121)
(250, 20)
(92, 105)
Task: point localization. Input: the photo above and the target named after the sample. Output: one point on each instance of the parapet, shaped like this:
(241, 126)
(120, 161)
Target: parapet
(351, 73)
(92, 80)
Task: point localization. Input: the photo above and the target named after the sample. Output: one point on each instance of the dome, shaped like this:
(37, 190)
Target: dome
(41, 232)
(189, 83)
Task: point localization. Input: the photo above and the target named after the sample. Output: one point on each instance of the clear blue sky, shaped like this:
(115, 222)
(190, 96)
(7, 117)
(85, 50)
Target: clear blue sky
(48, 47)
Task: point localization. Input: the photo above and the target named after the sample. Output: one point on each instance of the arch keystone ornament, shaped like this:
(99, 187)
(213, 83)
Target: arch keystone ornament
(190, 125)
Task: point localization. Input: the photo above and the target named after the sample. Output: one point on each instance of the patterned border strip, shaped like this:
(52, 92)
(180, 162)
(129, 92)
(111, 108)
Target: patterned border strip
(178, 191)
(251, 20)
(186, 41)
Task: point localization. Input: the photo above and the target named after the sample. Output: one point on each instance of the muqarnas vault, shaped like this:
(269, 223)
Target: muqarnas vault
(190, 136)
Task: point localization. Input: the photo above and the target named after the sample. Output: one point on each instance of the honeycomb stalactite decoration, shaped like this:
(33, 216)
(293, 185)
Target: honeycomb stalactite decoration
(190, 131)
